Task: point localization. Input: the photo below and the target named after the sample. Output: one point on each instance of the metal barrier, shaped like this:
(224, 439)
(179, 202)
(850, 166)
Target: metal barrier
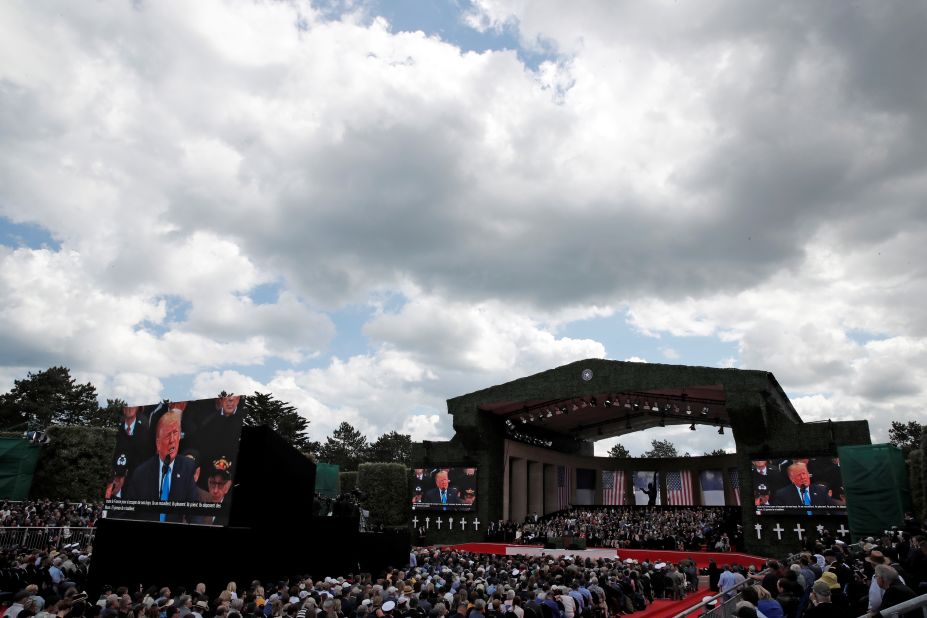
(45, 537)
(915, 603)
(727, 607)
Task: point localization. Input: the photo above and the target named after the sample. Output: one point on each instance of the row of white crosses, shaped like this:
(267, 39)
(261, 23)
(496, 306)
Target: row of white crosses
(842, 531)
(462, 522)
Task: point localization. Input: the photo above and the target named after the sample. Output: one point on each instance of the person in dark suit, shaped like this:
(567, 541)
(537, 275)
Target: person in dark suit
(800, 492)
(895, 592)
(133, 439)
(443, 493)
(164, 477)
(769, 478)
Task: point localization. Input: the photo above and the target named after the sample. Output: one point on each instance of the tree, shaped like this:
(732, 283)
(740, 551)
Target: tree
(392, 447)
(50, 397)
(906, 436)
(717, 451)
(109, 416)
(265, 409)
(618, 452)
(661, 448)
(345, 447)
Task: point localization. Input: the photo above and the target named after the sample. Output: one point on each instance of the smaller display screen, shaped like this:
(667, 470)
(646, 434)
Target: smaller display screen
(809, 485)
(447, 489)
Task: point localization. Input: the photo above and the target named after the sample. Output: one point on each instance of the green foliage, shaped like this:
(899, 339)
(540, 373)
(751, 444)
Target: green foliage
(392, 447)
(265, 409)
(906, 436)
(75, 464)
(109, 416)
(661, 448)
(619, 452)
(717, 451)
(387, 493)
(50, 397)
(348, 481)
(346, 447)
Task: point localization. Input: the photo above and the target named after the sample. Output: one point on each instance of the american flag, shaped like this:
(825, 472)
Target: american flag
(734, 474)
(564, 486)
(679, 488)
(613, 487)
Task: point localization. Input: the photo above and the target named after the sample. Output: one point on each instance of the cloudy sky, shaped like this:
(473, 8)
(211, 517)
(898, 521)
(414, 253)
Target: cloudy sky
(367, 208)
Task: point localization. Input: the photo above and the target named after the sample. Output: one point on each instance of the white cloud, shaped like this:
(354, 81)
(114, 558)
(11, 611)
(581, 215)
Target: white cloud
(698, 170)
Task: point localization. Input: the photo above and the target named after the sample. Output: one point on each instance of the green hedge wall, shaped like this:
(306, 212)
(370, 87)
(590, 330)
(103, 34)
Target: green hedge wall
(75, 464)
(916, 479)
(386, 486)
(348, 481)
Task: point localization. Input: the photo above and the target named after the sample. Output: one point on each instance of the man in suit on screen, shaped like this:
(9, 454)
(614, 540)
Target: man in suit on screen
(164, 477)
(444, 492)
(799, 491)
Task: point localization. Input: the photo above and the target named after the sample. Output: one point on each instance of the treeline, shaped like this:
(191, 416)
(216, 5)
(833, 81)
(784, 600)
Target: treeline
(52, 398)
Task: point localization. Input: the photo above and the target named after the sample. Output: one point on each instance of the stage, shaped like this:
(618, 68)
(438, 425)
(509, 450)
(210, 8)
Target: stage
(650, 555)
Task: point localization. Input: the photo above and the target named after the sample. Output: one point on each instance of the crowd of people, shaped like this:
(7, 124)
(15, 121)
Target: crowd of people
(49, 513)
(672, 528)
(828, 578)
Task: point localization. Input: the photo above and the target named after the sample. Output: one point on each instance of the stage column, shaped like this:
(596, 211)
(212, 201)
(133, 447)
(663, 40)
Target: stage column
(518, 488)
(535, 488)
(550, 488)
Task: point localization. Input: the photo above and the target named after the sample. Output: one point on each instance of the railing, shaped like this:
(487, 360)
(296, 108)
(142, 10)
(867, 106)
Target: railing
(727, 607)
(915, 603)
(45, 537)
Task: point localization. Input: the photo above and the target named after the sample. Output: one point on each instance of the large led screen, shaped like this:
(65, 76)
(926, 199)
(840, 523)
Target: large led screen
(646, 488)
(176, 462)
(799, 486)
(444, 489)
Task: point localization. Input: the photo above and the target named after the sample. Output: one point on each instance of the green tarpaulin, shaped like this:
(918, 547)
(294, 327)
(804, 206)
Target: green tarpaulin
(17, 465)
(876, 481)
(328, 479)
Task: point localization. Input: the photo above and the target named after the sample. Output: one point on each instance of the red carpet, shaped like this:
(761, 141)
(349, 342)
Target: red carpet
(651, 555)
(668, 609)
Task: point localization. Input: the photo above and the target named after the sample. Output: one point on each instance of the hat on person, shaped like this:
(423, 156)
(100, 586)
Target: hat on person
(877, 557)
(221, 467)
(201, 604)
(388, 606)
(366, 602)
(709, 601)
(162, 603)
(829, 578)
(407, 590)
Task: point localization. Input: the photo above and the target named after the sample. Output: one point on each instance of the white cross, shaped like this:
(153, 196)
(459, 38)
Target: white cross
(820, 528)
(463, 523)
(439, 522)
(415, 522)
(842, 531)
(450, 523)
(476, 523)
(759, 530)
(779, 530)
(428, 523)
(799, 530)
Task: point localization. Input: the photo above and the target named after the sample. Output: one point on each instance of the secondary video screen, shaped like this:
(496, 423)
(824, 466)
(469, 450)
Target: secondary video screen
(444, 489)
(809, 485)
(176, 461)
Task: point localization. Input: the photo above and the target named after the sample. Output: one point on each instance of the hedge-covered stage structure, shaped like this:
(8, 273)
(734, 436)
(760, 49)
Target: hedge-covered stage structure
(531, 443)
